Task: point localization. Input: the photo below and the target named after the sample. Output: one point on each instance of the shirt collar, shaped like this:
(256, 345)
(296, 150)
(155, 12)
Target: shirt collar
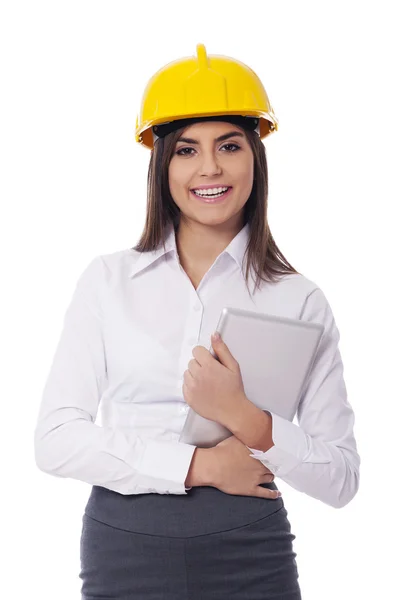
(235, 249)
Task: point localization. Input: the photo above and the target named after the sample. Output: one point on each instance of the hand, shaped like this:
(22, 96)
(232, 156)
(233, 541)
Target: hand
(212, 387)
(235, 472)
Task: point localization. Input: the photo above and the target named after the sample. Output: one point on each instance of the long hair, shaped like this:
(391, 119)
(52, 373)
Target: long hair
(262, 253)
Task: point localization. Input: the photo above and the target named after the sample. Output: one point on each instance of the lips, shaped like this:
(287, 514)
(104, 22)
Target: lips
(209, 200)
(210, 187)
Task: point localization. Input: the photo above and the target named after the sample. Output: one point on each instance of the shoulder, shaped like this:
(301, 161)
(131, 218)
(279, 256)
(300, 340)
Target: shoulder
(101, 269)
(306, 294)
(294, 288)
(314, 303)
(117, 263)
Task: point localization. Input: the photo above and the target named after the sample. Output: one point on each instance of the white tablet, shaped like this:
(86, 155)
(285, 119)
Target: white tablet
(275, 355)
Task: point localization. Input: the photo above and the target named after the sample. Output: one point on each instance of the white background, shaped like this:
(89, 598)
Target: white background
(73, 186)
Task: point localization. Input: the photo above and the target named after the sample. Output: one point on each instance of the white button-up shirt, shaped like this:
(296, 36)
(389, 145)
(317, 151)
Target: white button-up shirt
(127, 338)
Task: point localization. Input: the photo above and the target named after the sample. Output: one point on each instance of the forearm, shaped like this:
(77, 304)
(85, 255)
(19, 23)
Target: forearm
(252, 426)
(200, 470)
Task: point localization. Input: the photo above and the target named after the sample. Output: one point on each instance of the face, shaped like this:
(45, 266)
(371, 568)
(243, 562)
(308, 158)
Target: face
(201, 160)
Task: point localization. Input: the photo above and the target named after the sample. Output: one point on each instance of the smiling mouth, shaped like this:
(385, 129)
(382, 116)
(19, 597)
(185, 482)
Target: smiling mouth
(204, 193)
(212, 198)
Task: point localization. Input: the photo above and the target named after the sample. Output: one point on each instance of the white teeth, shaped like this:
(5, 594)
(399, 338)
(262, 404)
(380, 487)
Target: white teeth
(210, 191)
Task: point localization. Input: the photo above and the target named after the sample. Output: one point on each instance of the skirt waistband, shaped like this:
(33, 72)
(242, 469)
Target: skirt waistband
(202, 510)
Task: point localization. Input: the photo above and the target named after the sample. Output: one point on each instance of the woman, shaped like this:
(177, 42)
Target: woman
(167, 520)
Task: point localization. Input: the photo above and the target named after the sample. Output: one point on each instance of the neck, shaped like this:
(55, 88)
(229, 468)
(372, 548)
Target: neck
(199, 245)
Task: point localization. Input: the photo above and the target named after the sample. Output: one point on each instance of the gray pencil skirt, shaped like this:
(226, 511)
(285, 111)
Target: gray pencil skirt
(206, 545)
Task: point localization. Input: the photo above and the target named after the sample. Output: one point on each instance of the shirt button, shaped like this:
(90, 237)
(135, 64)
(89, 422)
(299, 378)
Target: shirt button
(184, 408)
(152, 490)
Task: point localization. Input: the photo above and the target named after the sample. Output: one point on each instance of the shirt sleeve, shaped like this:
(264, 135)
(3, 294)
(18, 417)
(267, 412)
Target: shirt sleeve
(67, 442)
(319, 456)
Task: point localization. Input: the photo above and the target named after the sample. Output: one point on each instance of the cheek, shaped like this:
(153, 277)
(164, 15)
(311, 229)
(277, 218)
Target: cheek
(244, 177)
(243, 170)
(178, 177)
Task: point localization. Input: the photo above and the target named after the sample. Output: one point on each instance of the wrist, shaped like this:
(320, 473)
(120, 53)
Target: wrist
(238, 410)
(253, 427)
(201, 468)
(240, 414)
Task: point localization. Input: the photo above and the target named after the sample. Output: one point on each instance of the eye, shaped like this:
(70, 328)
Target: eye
(232, 145)
(181, 152)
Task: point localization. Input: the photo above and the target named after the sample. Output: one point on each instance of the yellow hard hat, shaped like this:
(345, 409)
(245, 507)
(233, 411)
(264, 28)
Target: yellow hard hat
(203, 86)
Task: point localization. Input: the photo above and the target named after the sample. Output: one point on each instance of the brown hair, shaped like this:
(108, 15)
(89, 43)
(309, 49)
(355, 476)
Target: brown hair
(262, 253)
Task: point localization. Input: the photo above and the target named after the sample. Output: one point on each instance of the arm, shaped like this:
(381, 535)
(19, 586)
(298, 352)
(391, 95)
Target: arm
(200, 471)
(67, 442)
(319, 456)
(252, 426)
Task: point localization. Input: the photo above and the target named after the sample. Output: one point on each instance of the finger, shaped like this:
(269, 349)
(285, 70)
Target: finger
(266, 493)
(201, 354)
(193, 366)
(188, 377)
(273, 494)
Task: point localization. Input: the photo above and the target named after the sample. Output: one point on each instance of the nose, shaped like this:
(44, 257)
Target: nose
(209, 165)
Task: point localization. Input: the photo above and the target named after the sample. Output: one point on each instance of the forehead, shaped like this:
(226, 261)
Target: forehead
(210, 129)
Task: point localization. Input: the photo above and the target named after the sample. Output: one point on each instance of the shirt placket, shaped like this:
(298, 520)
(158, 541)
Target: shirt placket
(190, 339)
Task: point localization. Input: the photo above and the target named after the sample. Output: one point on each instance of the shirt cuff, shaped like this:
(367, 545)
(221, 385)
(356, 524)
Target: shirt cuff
(290, 449)
(164, 466)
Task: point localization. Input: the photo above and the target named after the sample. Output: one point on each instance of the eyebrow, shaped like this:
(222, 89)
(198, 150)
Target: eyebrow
(221, 138)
